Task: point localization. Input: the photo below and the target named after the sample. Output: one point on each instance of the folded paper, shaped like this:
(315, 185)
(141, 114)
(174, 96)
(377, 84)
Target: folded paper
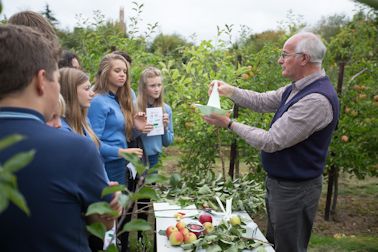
(213, 105)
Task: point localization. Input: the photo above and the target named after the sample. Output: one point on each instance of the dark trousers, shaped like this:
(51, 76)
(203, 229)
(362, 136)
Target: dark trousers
(291, 208)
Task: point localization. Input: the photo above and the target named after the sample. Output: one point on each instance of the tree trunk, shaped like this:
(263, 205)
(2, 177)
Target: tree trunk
(234, 149)
(340, 78)
(331, 178)
(220, 154)
(335, 194)
(234, 160)
(333, 174)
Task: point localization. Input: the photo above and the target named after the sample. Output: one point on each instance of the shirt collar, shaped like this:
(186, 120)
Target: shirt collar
(15, 112)
(305, 81)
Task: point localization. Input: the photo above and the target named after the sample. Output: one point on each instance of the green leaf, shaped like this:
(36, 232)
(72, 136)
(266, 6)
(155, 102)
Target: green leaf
(132, 158)
(112, 189)
(112, 248)
(18, 161)
(8, 141)
(214, 248)
(136, 225)
(204, 190)
(175, 179)
(101, 208)
(3, 201)
(97, 229)
(156, 178)
(7, 177)
(162, 232)
(187, 247)
(261, 248)
(232, 249)
(16, 198)
(123, 200)
(145, 193)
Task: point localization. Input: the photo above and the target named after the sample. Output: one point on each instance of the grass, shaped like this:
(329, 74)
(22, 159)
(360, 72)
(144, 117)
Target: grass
(340, 243)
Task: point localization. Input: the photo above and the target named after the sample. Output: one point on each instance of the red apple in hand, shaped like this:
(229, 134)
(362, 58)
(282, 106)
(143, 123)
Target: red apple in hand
(205, 217)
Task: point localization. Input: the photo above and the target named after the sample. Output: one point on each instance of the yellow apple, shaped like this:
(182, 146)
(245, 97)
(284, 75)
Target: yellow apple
(235, 220)
(170, 230)
(208, 227)
(176, 238)
(189, 238)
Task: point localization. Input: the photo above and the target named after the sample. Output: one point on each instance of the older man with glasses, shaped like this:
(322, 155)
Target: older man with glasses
(294, 148)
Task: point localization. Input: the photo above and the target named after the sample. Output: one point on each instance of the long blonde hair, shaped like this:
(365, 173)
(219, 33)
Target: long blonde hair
(76, 115)
(142, 99)
(123, 93)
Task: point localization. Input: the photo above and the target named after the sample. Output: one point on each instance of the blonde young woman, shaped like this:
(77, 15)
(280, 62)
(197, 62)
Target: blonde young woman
(150, 94)
(112, 115)
(55, 120)
(76, 91)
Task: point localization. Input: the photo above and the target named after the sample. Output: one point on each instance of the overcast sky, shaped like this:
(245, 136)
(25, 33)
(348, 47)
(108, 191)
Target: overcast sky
(191, 16)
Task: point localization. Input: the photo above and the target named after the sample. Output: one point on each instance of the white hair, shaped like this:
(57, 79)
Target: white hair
(311, 45)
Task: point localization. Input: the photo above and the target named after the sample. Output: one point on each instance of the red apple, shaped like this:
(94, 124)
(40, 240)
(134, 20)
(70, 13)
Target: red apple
(170, 230)
(184, 231)
(180, 225)
(205, 217)
(176, 238)
(189, 238)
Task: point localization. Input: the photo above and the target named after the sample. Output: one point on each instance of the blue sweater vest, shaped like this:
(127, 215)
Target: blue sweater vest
(305, 160)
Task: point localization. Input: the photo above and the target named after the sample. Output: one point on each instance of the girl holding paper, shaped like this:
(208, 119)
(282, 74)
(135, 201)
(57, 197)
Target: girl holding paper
(150, 95)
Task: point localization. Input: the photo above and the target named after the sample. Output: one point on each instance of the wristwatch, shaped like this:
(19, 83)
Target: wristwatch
(229, 124)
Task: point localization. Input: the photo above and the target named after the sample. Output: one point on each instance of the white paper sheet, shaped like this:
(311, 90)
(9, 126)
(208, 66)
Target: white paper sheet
(213, 105)
(214, 100)
(155, 117)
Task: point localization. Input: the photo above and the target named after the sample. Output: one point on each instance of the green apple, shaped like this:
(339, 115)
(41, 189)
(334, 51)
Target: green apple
(208, 227)
(235, 220)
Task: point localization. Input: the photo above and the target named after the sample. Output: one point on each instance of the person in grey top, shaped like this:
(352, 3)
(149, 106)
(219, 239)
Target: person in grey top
(294, 148)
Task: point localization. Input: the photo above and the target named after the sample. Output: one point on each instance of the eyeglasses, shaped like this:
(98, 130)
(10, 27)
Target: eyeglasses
(285, 55)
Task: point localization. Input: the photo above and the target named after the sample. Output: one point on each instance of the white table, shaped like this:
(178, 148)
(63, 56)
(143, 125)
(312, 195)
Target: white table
(164, 216)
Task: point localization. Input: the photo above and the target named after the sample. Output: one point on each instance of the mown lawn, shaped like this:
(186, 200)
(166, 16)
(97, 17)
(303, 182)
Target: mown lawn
(347, 243)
